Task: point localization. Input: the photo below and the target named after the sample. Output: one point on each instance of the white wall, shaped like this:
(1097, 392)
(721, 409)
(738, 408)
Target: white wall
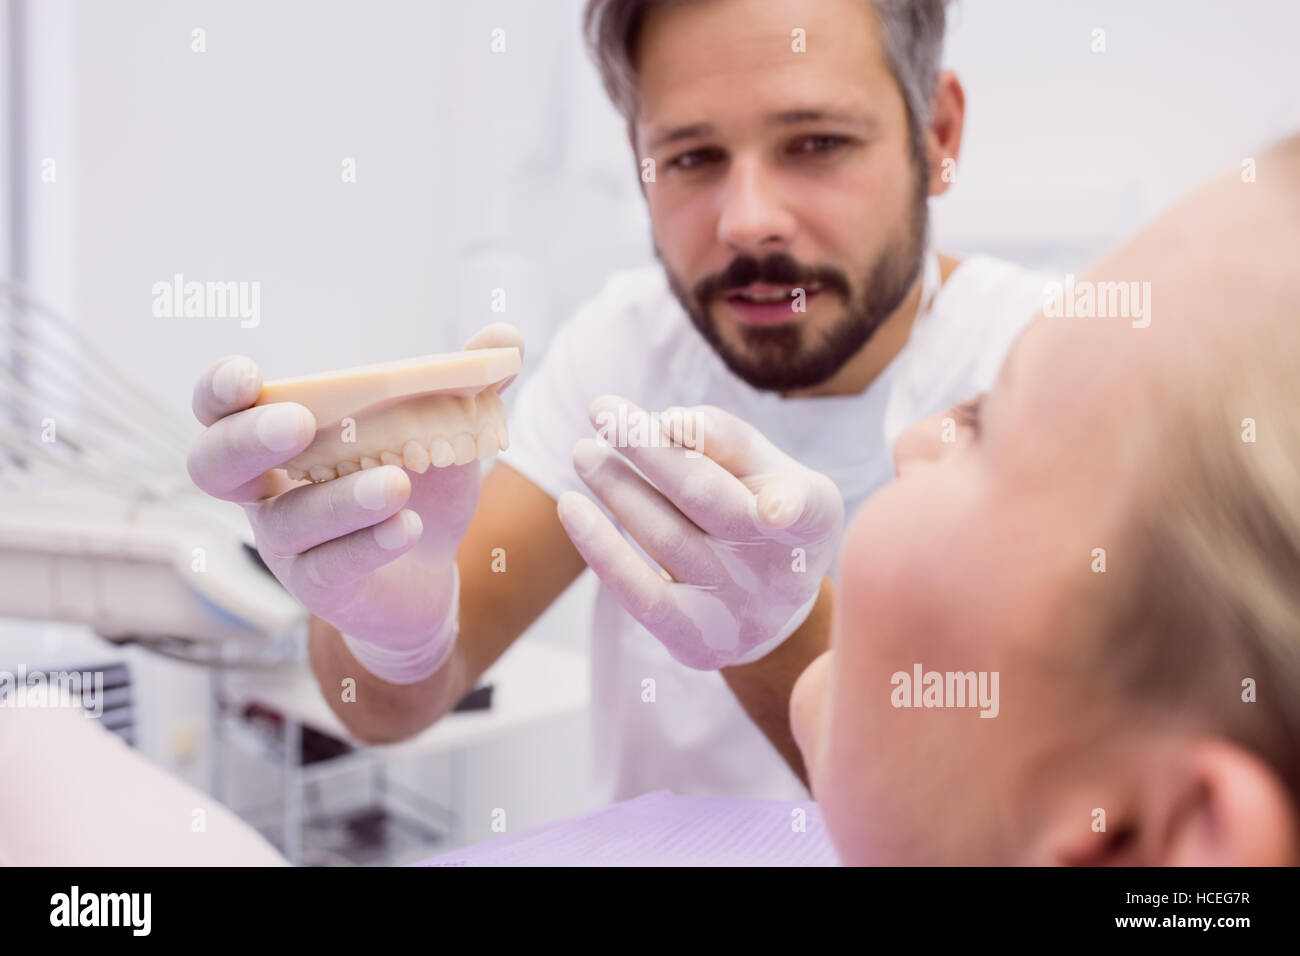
(1070, 149)
(226, 164)
(49, 175)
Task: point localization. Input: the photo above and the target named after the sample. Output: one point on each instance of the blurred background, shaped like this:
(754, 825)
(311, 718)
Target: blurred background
(378, 169)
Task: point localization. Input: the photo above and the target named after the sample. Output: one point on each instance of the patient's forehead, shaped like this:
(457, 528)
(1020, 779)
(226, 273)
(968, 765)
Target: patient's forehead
(1074, 362)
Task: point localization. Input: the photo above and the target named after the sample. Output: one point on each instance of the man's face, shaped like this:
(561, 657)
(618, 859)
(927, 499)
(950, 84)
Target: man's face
(778, 170)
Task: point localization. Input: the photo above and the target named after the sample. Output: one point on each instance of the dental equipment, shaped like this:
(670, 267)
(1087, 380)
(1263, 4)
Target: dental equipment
(99, 523)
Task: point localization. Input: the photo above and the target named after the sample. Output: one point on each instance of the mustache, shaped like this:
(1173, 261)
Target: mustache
(780, 268)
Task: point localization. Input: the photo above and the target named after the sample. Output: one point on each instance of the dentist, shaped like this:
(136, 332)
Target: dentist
(796, 322)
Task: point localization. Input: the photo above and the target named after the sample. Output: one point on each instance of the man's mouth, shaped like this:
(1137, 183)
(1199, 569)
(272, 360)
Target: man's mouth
(762, 303)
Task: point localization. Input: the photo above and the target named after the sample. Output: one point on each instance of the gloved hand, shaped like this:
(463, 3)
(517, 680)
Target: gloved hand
(744, 532)
(374, 552)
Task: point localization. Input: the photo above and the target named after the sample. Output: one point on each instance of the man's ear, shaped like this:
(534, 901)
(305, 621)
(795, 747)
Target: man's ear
(636, 156)
(1192, 803)
(943, 137)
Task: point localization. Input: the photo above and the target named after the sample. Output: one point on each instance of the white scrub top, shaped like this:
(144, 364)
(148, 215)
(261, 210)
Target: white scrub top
(633, 339)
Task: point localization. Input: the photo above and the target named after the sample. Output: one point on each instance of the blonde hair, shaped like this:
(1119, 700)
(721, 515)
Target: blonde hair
(1214, 610)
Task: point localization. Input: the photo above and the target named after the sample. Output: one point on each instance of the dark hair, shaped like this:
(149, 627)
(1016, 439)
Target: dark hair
(912, 32)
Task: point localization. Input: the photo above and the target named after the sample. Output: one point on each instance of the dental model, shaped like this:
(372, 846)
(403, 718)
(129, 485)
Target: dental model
(434, 410)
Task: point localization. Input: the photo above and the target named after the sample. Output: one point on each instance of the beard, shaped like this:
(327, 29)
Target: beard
(781, 357)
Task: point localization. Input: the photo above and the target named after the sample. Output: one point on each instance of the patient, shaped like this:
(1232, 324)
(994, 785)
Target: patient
(74, 794)
(1116, 533)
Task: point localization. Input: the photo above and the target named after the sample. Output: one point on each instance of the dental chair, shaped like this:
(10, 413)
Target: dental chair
(100, 526)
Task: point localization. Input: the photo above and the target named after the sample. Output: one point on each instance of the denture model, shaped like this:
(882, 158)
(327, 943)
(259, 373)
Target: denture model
(434, 410)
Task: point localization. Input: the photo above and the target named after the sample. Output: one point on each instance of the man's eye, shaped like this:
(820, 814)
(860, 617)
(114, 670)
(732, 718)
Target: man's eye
(695, 158)
(818, 144)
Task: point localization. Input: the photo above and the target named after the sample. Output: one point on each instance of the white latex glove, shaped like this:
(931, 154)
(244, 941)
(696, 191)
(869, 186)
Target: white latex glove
(374, 552)
(745, 532)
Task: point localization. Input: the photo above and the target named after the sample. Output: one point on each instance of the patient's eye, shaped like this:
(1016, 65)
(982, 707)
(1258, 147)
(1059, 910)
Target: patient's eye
(967, 413)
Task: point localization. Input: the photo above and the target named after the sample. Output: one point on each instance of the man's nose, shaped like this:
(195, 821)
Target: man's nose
(753, 219)
(923, 442)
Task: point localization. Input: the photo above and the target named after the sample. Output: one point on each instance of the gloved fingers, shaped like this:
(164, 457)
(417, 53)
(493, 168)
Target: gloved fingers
(230, 458)
(666, 534)
(802, 502)
(790, 496)
(317, 577)
(498, 335)
(445, 499)
(308, 516)
(638, 588)
(710, 496)
(730, 441)
(230, 384)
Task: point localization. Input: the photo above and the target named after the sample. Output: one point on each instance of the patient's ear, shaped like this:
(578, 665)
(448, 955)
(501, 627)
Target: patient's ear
(1197, 803)
(1226, 808)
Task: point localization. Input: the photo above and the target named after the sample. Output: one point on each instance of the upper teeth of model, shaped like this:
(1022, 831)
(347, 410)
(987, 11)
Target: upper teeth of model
(417, 432)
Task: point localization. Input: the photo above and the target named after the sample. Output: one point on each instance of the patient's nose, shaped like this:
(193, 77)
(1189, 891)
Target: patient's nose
(924, 441)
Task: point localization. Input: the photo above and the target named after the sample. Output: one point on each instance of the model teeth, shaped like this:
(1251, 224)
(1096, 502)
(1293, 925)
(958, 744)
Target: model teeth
(415, 457)
(471, 428)
(486, 445)
(464, 448)
(440, 452)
